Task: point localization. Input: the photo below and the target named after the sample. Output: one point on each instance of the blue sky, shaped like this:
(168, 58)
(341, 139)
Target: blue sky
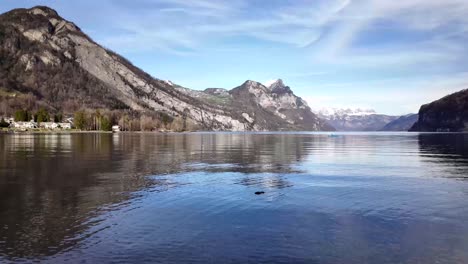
(388, 55)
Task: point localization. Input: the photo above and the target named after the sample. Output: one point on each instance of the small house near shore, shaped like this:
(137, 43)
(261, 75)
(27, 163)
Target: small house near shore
(65, 125)
(53, 125)
(23, 125)
(31, 125)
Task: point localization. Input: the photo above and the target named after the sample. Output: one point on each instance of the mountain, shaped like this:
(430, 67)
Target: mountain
(274, 107)
(355, 119)
(403, 123)
(289, 111)
(47, 61)
(448, 114)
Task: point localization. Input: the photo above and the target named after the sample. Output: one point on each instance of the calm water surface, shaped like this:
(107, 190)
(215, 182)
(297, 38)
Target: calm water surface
(190, 198)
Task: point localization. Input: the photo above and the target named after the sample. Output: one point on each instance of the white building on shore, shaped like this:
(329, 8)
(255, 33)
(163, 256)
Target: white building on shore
(31, 125)
(53, 125)
(65, 125)
(48, 125)
(23, 125)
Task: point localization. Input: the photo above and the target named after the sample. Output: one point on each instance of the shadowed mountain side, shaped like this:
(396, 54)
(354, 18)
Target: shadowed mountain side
(448, 114)
(403, 123)
(445, 149)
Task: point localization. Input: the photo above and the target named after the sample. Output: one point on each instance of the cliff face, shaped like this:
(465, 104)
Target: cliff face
(275, 107)
(51, 59)
(449, 114)
(403, 123)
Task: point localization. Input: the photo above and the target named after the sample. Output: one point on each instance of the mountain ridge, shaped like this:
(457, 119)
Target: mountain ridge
(447, 114)
(403, 123)
(57, 64)
(355, 119)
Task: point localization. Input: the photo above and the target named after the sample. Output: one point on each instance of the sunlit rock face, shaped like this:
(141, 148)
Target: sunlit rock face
(43, 48)
(276, 107)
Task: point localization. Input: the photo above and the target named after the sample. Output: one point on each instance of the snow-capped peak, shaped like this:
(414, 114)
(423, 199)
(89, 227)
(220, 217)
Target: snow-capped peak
(169, 82)
(271, 83)
(345, 112)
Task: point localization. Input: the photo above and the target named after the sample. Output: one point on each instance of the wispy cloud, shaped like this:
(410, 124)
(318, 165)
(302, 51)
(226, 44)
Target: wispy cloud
(198, 22)
(330, 29)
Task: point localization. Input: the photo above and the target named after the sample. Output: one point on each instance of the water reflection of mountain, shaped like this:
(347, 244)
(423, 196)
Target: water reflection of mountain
(448, 153)
(52, 185)
(451, 144)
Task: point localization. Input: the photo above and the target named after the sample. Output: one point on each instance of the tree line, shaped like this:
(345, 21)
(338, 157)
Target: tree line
(104, 119)
(42, 115)
(131, 121)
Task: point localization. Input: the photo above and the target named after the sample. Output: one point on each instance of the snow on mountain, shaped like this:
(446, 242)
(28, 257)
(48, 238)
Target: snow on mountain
(274, 84)
(271, 82)
(355, 119)
(169, 82)
(328, 112)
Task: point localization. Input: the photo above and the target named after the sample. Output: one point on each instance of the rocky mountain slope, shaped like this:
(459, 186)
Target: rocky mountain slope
(355, 119)
(403, 123)
(59, 67)
(273, 107)
(448, 114)
(289, 111)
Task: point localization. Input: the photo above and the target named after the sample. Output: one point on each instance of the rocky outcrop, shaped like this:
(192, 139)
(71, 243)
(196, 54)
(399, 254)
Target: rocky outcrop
(403, 123)
(355, 119)
(448, 114)
(276, 107)
(217, 91)
(53, 59)
(267, 108)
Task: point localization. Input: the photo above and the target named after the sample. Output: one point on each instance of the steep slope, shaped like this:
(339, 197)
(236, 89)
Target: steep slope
(50, 58)
(448, 114)
(56, 65)
(32, 63)
(403, 123)
(275, 107)
(355, 119)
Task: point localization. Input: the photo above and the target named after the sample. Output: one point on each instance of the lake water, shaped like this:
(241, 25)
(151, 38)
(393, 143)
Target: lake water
(190, 198)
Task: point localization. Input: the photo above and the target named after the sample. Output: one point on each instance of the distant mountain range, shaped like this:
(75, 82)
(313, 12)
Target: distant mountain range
(48, 62)
(403, 123)
(355, 119)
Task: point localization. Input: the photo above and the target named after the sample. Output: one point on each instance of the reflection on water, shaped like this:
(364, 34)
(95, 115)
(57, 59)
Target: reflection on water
(354, 198)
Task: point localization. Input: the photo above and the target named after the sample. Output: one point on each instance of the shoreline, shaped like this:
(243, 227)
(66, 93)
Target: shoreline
(72, 131)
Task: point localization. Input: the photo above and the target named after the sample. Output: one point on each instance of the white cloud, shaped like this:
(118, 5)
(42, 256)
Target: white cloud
(329, 27)
(423, 14)
(440, 25)
(197, 22)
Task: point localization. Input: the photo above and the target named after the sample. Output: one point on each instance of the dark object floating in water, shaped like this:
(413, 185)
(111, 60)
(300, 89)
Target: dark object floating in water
(258, 193)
